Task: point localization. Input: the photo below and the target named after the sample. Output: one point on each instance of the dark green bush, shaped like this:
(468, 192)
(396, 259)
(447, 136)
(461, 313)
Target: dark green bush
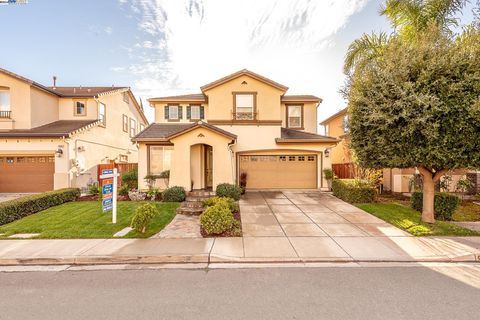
(130, 178)
(123, 190)
(229, 191)
(143, 216)
(216, 220)
(221, 201)
(353, 190)
(445, 204)
(174, 194)
(18, 208)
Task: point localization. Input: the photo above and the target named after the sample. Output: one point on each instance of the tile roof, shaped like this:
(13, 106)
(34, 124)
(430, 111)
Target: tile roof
(83, 92)
(241, 73)
(194, 97)
(61, 128)
(166, 131)
(301, 98)
(291, 135)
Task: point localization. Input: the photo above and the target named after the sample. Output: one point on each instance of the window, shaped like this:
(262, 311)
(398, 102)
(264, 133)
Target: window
(195, 112)
(4, 103)
(10, 160)
(142, 127)
(123, 158)
(80, 109)
(283, 158)
(244, 106)
(125, 123)
(294, 114)
(173, 113)
(125, 97)
(301, 158)
(101, 113)
(133, 127)
(327, 129)
(160, 159)
(311, 158)
(291, 158)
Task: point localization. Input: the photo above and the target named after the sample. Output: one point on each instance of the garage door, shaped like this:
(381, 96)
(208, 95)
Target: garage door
(280, 171)
(26, 173)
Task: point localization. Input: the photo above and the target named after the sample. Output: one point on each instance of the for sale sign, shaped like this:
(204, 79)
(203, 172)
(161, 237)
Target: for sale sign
(109, 191)
(107, 194)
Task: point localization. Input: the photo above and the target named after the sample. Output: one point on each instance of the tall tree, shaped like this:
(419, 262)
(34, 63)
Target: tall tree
(418, 105)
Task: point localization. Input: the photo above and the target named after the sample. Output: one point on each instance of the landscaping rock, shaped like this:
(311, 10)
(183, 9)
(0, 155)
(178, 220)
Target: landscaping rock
(123, 232)
(24, 235)
(137, 195)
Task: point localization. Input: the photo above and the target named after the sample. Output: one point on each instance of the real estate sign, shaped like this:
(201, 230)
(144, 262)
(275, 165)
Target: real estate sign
(109, 192)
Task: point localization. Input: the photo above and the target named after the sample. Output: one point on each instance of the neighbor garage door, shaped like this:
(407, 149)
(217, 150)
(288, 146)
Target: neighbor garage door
(279, 171)
(26, 173)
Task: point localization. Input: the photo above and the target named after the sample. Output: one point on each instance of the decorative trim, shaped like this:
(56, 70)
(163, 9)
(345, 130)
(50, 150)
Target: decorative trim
(246, 122)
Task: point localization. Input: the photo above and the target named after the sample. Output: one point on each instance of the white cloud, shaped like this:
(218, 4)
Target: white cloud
(187, 43)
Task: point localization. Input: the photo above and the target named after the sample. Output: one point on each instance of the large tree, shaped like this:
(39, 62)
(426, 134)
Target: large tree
(418, 105)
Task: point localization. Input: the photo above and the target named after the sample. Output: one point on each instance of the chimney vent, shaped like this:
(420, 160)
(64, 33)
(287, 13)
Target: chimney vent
(54, 82)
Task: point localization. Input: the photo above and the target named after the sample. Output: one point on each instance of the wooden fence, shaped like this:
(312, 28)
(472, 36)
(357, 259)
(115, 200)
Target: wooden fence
(345, 170)
(122, 167)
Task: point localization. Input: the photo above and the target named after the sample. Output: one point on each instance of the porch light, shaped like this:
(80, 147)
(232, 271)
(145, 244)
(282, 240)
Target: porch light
(327, 153)
(59, 152)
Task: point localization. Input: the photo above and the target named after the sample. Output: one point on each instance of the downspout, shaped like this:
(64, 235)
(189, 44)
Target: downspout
(232, 160)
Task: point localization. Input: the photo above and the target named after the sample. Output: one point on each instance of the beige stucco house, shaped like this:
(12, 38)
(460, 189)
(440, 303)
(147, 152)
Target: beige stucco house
(54, 137)
(242, 123)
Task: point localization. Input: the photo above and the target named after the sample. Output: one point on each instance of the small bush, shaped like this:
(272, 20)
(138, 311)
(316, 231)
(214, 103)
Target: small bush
(94, 189)
(123, 190)
(328, 174)
(229, 190)
(353, 191)
(221, 201)
(130, 178)
(174, 194)
(143, 216)
(18, 208)
(444, 205)
(216, 220)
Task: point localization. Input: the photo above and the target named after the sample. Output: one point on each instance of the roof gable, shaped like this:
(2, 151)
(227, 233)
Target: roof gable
(240, 73)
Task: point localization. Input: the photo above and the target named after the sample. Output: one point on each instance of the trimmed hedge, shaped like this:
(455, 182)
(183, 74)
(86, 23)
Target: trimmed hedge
(174, 194)
(353, 191)
(445, 204)
(229, 191)
(221, 201)
(217, 219)
(19, 208)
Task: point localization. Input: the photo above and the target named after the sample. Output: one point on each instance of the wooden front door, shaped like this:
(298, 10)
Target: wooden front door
(208, 166)
(26, 173)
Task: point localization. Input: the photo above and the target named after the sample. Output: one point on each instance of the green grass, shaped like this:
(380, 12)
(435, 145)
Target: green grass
(85, 220)
(468, 211)
(409, 220)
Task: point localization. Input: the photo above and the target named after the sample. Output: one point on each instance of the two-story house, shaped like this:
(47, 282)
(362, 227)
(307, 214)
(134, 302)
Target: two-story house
(241, 124)
(54, 137)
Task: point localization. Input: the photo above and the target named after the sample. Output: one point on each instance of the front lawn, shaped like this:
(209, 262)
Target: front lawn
(409, 220)
(84, 219)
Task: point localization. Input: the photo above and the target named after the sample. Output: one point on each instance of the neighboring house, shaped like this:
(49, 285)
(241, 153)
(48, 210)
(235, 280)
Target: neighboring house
(396, 180)
(54, 137)
(242, 123)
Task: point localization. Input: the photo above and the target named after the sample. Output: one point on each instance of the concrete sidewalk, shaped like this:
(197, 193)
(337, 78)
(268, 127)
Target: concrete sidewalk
(259, 249)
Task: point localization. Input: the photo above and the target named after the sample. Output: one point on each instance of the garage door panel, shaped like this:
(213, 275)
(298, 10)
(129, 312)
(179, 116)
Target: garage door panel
(279, 171)
(26, 173)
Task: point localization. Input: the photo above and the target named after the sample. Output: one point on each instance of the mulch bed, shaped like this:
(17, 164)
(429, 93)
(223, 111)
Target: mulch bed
(236, 231)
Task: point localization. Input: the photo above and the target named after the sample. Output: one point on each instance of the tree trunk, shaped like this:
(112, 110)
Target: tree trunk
(428, 214)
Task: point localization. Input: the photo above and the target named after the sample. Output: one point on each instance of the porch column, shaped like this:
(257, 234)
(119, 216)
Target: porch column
(180, 166)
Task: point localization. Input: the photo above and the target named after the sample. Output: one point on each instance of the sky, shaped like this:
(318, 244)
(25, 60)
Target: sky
(168, 47)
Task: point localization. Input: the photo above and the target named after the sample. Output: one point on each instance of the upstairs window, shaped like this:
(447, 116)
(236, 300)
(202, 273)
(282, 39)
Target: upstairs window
(133, 128)
(173, 112)
(4, 103)
(101, 113)
(125, 97)
(125, 123)
(294, 117)
(80, 108)
(195, 112)
(244, 106)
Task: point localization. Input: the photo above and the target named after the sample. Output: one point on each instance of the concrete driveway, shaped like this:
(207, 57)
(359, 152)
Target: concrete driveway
(11, 196)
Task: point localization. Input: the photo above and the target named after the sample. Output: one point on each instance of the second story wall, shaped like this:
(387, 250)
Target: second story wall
(309, 116)
(67, 109)
(17, 114)
(44, 107)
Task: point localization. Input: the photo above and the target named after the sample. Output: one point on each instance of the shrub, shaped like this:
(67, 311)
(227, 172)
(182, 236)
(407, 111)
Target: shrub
(445, 204)
(174, 194)
(328, 174)
(130, 178)
(94, 189)
(143, 216)
(229, 190)
(123, 190)
(18, 208)
(216, 220)
(353, 190)
(221, 201)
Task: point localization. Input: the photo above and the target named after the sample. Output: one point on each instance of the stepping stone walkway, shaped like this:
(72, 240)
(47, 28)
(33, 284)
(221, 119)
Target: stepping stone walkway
(182, 226)
(24, 235)
(123, 232)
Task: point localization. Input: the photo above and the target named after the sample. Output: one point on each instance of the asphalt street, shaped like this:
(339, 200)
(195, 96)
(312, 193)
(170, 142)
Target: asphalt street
(385, 293)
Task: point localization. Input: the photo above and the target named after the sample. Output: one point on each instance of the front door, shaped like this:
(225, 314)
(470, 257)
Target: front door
(208, 166)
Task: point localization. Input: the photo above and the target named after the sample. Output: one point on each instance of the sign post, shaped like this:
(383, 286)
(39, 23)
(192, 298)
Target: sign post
(109, 192)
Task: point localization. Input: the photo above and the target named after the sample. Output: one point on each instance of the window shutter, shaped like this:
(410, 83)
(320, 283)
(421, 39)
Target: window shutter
(166, 112)
(202, 112)
(189, 112)
(180, 112)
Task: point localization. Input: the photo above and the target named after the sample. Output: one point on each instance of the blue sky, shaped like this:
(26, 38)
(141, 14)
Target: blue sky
(164, 47)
